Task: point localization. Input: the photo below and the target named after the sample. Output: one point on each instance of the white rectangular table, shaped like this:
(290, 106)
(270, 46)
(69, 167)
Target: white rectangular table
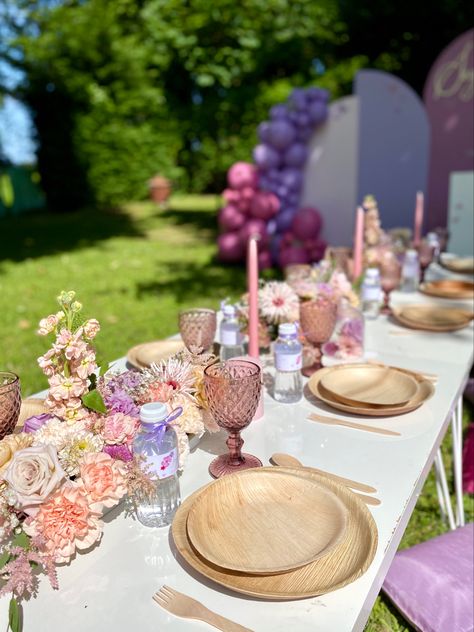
(111, 587)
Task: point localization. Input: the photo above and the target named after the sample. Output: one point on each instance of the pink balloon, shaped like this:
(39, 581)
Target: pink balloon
(243, 205)
(264, 205)
(317, 249)
(247, 193)
(264, 259)
(230, 218)
(306, 223)
(254, 227)
(293, 254)
(230, 247)
(242, 174)
(230, 195)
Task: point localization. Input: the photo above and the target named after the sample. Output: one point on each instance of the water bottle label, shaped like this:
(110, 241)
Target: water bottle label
(288, 361)
(371, 293)
(163, 465)
(230, 338)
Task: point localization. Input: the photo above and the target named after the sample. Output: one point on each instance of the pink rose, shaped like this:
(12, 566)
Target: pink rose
(120, 428)
(34, 473)
(66, 522)
(103, 479)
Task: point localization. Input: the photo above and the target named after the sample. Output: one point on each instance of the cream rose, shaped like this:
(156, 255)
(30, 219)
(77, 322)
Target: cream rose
(34, 473)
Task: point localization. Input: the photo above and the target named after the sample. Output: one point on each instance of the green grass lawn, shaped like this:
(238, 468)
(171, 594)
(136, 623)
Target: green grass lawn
(134, 270)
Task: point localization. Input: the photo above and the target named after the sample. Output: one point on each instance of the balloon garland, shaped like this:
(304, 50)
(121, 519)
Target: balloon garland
(263, 198)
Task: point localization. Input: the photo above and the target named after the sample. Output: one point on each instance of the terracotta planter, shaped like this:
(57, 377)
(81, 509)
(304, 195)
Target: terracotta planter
(160, 189)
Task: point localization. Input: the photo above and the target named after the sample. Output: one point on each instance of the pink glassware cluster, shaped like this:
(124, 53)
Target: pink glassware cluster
(198, 328)
(317, 320)
(10, 402)
(233, 392)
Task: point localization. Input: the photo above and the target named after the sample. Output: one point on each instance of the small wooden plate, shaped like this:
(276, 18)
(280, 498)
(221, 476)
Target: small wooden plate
(265, 521)
(142, 356)
(379, 386)
(341, 566)
(448, 288)
(425, 391)
(461, 265)
(432, 318)
(30, 407)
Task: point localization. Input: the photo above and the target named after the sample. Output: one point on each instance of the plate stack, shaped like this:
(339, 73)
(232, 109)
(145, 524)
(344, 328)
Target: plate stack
(448, 288)
(276, 533)
(370, 390)
(144, 355)
(460, 265)
(432, 318)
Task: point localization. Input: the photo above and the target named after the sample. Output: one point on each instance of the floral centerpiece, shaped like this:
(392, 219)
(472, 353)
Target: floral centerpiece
(67, 467)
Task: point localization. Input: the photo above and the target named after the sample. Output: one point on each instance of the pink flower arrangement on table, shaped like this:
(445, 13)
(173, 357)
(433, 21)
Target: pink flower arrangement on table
(67, 467)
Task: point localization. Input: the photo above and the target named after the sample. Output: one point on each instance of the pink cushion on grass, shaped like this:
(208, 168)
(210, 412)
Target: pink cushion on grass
(432, 583)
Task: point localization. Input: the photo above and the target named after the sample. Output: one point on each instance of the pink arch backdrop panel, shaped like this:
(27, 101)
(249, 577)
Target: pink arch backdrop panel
(393, 148)
(330, 177)
(448, 96)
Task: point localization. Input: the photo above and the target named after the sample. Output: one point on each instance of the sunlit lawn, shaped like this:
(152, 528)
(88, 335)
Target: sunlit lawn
(134, 270)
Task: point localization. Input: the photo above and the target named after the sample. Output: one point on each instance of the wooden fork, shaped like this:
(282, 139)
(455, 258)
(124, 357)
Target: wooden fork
(188, 608)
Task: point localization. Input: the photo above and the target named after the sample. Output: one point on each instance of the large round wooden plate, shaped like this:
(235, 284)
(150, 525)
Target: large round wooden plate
(144, 355)
(425, 391)
(266, 521)
(341, 566)
(30, 407)
(461, 265)
(448, 288)
(369, 384)
(432, 318)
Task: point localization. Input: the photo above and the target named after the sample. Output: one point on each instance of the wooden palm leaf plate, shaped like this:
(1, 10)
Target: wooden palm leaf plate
(432, 318)
(266, 521)
(369, 384)
(448, 288)
(143, 355)
(341, 566)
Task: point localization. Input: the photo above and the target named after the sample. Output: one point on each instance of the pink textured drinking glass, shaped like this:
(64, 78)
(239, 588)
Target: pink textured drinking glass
(425, 255)
(198, 328)
(317, 321)
(233, 392)
(390, 277)
(10, 402)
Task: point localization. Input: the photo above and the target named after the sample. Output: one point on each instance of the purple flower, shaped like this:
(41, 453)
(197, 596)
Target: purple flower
(34, 423)
(119, 401)
(354, 328)
(120, 452)
(330, 348)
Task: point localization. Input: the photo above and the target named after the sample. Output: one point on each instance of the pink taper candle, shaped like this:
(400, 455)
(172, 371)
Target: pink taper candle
(252, 287)
(419, 210)
(358, 243)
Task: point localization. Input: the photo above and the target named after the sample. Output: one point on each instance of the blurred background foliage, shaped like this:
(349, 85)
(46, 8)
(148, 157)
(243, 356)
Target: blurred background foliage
(121, 90)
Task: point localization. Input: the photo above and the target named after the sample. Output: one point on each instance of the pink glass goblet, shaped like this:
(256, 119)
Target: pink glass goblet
(198, 328)
(425, 255)
(317, 320)
(10, 402)
(233, 391)
(390, 278)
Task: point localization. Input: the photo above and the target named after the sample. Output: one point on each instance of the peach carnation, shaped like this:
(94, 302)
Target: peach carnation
(66, 522)
(120, 428)
(103, 479)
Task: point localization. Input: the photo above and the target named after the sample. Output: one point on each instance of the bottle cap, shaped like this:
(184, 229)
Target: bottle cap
(411, 254)
(372, 272)
(228, 310)
(287, 329)
(153, 413)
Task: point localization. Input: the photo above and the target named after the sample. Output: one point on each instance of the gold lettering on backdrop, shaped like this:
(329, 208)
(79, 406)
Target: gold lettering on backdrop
(455, 77)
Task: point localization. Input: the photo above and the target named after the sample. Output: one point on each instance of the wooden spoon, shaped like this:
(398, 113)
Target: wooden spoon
(286, 460)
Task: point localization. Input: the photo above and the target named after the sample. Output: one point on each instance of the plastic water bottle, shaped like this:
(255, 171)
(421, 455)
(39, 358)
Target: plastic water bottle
(410, 272)
(371, 292)
(230, 337)
(157, 442)
(288, 361)
(433, 240)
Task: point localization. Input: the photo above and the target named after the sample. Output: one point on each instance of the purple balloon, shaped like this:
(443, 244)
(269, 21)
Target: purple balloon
(284, 220)
(274, 175)
(317, 112)
(271, 227)
(263, 131)
(318, 94)
(293, 116)
(282, 192)
(294, 199)
(291, 178)
(264, 183)
(282, 134)
(275, 247)
(297, 99)
(278, 112)
(295, 155)
(303, 120)
(266, 157)
(303, 134)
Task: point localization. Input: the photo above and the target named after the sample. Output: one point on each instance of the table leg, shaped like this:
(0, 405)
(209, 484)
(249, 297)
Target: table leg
(441, 477)
(456, 425)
